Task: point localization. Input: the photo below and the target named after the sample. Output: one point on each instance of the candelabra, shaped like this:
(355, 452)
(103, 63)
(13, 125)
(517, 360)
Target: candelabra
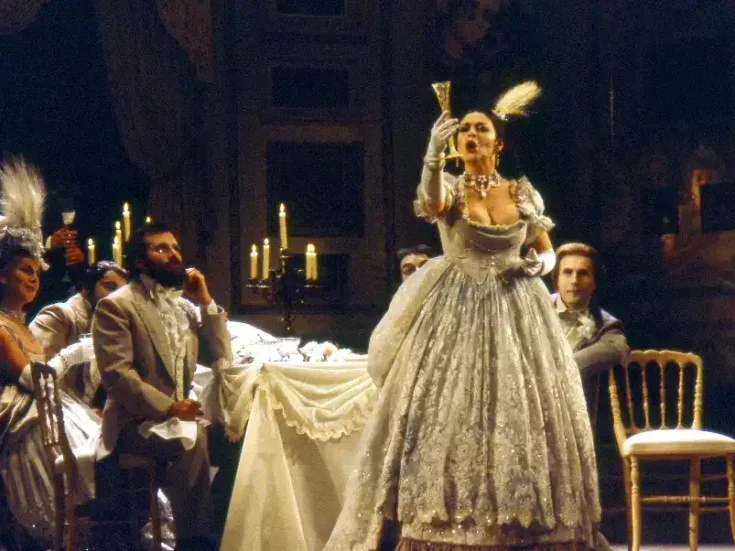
(285, 287)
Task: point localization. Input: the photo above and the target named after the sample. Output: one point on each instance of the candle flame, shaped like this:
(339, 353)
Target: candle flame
(266, 242)
(148, 220)
(254, 249)
(126, 209)
(282, 210)
(117, 225)
(90, 242)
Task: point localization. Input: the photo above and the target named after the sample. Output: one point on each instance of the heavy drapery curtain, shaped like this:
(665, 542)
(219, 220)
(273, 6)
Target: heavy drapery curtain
(159, 59)
(190, 23)
(16, 15)
(156, 101)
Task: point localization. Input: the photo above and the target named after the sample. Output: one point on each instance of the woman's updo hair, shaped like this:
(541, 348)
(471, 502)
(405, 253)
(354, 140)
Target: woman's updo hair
(498, 123)
(10, 249)
(513, 103)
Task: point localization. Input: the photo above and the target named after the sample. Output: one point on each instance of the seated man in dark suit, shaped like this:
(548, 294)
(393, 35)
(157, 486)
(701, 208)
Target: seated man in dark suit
(596, 337)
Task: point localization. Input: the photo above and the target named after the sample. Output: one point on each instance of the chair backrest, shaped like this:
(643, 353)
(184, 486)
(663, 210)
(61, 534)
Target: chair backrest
(643, 385)
(48, 402)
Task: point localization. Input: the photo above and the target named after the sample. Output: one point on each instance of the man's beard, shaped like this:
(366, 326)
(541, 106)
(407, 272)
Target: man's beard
(170, 274)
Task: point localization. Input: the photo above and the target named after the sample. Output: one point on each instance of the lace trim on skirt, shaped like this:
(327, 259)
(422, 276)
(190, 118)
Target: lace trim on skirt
(416, 545)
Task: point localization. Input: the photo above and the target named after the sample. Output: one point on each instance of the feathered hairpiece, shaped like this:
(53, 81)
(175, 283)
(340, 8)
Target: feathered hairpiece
(22, 202)
(515, 102)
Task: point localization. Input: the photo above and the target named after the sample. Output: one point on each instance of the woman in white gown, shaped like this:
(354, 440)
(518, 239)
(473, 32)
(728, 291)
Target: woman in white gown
(481, 438)
(23, 464)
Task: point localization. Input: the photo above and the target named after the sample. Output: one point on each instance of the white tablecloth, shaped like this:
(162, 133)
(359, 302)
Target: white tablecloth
(303, 427)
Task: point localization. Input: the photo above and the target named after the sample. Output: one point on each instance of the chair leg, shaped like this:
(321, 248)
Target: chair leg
(133, 536)
(731, 492)
(71, 521)
(635, 499)
(58, 511)
(695, 480)
(595, 406)
(17, 535)
(155, 513)
(628, 502)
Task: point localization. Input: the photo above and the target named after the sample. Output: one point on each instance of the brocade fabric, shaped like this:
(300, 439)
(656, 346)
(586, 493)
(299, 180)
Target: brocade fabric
(24, 466)
(481, 437)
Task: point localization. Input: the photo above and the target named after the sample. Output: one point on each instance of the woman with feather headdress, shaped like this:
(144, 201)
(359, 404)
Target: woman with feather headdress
(480, 440)
(24, 467)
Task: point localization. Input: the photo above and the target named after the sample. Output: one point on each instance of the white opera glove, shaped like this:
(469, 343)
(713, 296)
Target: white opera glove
(533, 265)
(539, 264)
(443, 128)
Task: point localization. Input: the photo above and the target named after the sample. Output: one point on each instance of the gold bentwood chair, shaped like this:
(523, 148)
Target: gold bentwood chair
(64, 464)
(58, 452)
(667, 437)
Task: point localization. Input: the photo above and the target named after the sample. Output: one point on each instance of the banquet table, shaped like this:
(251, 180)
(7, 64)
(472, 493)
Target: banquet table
(303, 428)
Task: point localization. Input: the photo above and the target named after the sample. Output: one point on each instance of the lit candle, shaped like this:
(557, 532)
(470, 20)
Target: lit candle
(309, 261)
(254, 262)
(314, 264)
(116, 251)
(118, 236)
(266, 258)
(148, 219)
(282, 226)
(126, 221)
(91, 253)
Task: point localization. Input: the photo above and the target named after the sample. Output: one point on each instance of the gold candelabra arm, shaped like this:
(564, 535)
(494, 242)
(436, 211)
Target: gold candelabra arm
(285, 288)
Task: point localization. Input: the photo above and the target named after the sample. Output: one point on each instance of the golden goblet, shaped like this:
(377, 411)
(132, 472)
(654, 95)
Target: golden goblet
(442, 91)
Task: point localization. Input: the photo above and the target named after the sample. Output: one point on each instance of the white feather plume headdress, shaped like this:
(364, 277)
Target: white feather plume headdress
(22, 202)
(515, 102)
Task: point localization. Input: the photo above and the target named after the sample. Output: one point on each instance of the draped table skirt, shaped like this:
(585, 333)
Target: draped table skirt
(303, 428)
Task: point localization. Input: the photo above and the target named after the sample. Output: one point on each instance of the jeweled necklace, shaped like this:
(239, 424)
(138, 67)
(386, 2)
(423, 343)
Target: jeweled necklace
(16, 315)
(481, 182)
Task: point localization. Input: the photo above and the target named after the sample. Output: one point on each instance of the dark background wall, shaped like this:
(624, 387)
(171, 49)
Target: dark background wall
(55, 110)
(327, 105)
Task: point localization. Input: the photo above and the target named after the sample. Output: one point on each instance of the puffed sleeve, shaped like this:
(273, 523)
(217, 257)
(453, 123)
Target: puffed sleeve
(531, 205)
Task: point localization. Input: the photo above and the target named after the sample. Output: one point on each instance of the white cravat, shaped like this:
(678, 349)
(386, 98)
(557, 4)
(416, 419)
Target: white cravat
(578, 325)
(176, 323)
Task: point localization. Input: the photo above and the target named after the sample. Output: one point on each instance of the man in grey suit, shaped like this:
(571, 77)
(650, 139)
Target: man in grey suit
(596, 337)
(147, 342)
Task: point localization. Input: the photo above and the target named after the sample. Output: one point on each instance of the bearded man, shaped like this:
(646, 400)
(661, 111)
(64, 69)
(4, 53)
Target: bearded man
(147, 339)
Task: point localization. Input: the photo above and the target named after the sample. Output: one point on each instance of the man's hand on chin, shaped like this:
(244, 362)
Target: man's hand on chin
(195, 287)
(186, 410)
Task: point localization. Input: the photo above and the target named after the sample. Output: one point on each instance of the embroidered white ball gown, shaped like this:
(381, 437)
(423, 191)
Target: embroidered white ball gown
(23, 463)
(481, 437)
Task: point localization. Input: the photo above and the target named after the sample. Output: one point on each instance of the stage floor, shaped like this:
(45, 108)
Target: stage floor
(675, 547)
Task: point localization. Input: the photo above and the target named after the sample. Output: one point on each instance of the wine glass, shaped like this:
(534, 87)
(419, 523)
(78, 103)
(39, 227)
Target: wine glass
(442, 91)
(68, 215)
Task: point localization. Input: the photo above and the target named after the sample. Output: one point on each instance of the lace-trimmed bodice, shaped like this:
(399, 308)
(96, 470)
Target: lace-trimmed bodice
(483, 248)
